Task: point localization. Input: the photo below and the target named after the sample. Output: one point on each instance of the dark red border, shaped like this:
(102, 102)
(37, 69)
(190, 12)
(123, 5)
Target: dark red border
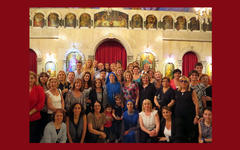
(15, 44)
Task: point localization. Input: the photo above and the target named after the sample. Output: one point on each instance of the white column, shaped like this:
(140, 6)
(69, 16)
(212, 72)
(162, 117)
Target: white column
(179, 65)
(40, 66)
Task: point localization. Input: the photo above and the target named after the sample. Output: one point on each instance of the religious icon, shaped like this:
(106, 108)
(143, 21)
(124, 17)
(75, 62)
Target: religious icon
(169, 70)
(167, 22)
(137, 21)
(70, 20)
(85, 20)
(111, 19)
(50, 67)
(209, 70)
(72, 60)
(194, 24)
(151, 22)
(38, 20)
(181, 23)
(53, 20)
(147, 58)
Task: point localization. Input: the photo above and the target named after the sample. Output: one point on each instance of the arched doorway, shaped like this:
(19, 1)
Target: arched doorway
(188, 63)
(32, 61)
(110, 51)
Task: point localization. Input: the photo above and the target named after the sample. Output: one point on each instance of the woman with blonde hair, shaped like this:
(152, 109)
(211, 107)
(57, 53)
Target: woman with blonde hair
(36, 103)
(186, 112)
(63, 85)
(88, 67)
(130, 89)
(54, 97)
(149, 123)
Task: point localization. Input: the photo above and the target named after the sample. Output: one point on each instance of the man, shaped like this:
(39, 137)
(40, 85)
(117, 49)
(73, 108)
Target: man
(95, 65)
(119, 64)
(100, 67)
(146, 68)
(78, 71)
(199, 67)
(103, 76)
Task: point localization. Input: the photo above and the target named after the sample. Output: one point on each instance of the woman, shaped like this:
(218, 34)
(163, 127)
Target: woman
(158, 80)
(204, 79)
(36, 103)
(146, 90)
(151, 73)
(89, 67)
(149, 123)
(167, 130)
(186, 111)
(64, 86)
(205, 127)
(55, 131)
(76, 124)
(71, 77)
(136, 74)
(130, 124)
(75, 95)
(165, 96)
(175, 83)
(113, 88)
(130, 67)
(98, 93)
(54, 97)
(129, 88)
(87, 87)
(96, 121)
(42, 80)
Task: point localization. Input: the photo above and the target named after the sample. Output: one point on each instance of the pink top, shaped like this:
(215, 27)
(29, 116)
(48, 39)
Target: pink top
(36, 100)
(172, 84)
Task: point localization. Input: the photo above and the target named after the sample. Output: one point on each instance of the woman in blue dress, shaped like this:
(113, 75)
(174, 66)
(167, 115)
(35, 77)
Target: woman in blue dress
(130, 124)
(113, 88)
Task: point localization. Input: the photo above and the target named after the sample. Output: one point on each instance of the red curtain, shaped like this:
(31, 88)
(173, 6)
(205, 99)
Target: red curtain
(110, 52)
(32, 61)
(189, 61)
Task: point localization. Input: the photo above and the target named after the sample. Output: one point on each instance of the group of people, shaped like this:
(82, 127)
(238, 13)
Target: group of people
(102, 103)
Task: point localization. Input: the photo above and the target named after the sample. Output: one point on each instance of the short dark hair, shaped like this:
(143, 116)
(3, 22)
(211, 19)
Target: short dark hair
(192, 72)
(79, 62)
(198, 64)
(166, 79)
(119, 61)
(61, 111)
(177, 70)
(103, 70)
(97, 101)
(167, 108)
(108, 106)
(207, 108)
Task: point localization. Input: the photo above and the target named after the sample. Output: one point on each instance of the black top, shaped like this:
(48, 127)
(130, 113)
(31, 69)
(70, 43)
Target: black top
(93, 96)
(64, 86)
(165, 98)
(162, 127)
(209, 91)
(118, 110)
(57, 130)
(184, 104)
(146, 93)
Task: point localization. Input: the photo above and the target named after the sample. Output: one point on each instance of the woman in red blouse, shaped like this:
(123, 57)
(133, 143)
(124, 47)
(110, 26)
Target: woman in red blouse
(36, 103)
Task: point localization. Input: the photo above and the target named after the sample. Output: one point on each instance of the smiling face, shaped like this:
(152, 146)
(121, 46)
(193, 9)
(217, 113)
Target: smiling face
(79, 66)
(32, 80)
(77, 109)
(204, 80)
(98, 83)
(194, 77)
(100, 66)
(107, 66)
(86, 77)
(58, 117)
(113, 66)
(166, 114)
(207, 115)
(199, 69)
(78, 84)
(135, 70)
(158, 76)
(43, 79)
(177, 75)
(97, 107)
(71, 76)
(61, 76)
(147, 105)
(145, 79)
(112, 78)
(53, 83)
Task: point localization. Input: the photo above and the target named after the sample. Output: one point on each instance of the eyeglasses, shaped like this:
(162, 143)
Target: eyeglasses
(185, 81)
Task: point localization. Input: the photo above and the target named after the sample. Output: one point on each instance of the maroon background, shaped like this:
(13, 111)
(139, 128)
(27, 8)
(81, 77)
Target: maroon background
(14, 73)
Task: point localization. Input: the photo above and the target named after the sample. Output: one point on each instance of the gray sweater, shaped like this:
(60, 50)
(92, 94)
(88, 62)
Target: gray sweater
(50, 134)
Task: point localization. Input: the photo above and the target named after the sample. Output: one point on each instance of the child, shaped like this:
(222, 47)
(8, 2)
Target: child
(108, 123)
(118, 116)
(205, 127)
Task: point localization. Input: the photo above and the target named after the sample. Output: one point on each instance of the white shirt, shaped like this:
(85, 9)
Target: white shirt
(78, 75)
(149, 121)
(167, 132)
(56, 100)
